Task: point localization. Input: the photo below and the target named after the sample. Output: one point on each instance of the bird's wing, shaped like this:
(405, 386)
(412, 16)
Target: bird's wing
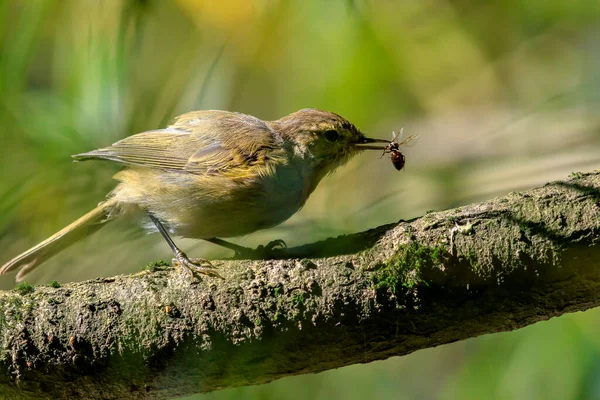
(163, 149)
(200, 142)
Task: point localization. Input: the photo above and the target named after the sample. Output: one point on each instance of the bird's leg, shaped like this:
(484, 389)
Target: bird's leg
(259, 253)
(199, 265)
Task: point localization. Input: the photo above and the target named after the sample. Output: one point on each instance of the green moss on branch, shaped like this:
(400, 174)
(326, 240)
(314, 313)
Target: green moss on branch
(450, 275)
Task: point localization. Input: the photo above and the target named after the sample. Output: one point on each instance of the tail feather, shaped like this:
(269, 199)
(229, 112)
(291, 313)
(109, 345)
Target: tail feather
(82, 227)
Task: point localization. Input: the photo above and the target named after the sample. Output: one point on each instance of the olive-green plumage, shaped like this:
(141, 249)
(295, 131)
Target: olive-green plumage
(215, 174)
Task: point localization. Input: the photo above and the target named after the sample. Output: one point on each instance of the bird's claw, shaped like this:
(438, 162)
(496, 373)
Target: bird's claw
(261, 252)
(195, 265)
(272, 245)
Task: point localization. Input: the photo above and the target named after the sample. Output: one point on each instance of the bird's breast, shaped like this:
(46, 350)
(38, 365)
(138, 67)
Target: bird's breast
(215, 205)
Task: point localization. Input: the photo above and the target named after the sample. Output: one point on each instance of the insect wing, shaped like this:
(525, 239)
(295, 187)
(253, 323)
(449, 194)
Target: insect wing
(409, 141)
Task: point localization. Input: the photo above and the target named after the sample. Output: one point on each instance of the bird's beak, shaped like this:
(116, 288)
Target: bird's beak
(365, 143)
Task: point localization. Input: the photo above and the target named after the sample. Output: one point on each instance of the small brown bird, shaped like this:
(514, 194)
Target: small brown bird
(214, 174)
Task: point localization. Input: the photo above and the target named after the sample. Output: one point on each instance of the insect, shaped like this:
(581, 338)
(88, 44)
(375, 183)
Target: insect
(393, 148)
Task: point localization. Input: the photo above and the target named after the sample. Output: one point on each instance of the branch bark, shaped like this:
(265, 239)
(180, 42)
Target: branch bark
(447, 276)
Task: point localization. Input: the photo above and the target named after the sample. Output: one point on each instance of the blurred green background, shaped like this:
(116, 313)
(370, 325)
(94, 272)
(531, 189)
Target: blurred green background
(504, 96)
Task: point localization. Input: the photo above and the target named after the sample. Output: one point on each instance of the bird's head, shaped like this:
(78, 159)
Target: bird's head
(325, 139)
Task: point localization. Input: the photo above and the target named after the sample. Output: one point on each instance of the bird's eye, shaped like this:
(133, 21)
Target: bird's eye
(331, 135)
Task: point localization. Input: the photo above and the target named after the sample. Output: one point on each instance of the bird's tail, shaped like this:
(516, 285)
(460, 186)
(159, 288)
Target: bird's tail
(62, 239)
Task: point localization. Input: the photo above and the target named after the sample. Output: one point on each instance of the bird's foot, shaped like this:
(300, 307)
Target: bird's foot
(272, 245)
(261, 252)
(195, 265)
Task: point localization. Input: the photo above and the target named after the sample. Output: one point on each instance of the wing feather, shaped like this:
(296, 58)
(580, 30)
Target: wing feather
(155, 149)
(201, 142)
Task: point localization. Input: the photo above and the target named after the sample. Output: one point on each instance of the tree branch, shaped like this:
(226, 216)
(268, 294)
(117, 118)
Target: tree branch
(482, 268)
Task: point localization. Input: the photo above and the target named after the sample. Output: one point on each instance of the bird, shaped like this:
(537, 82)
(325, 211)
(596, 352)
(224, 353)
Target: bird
(213, 174)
